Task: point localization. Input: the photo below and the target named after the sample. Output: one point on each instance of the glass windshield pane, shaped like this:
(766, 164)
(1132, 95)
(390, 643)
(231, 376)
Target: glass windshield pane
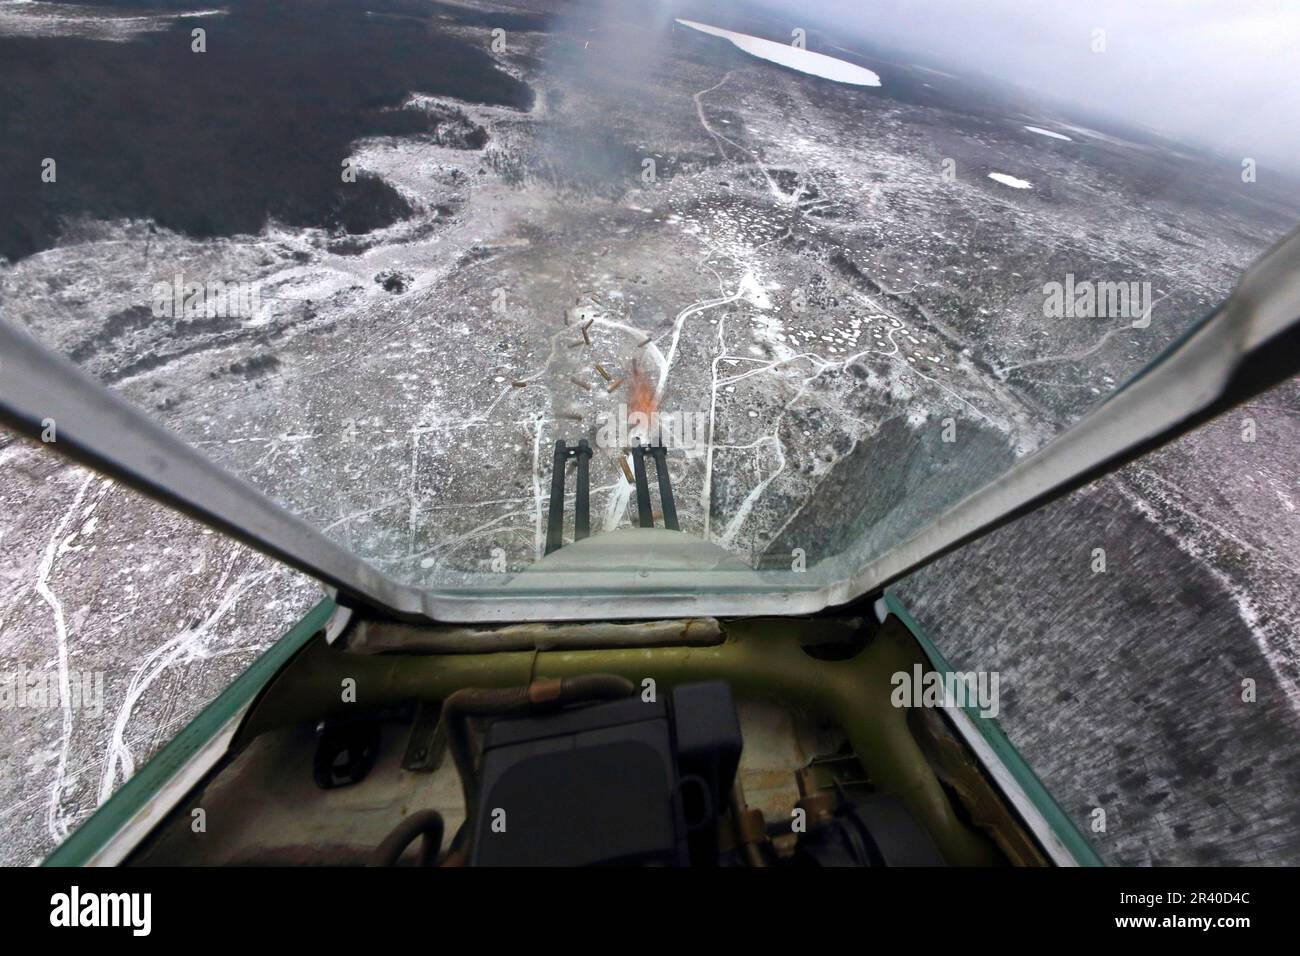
(377, 260)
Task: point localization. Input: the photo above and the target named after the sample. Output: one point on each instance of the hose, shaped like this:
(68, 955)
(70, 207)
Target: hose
(390, 637)
(425, 823)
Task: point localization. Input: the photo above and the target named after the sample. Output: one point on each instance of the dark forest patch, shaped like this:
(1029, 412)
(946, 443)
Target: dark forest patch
(393, 281)
(254, 366)
(215, 143)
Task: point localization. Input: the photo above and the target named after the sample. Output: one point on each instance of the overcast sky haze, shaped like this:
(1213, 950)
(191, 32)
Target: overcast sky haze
(1218, 73)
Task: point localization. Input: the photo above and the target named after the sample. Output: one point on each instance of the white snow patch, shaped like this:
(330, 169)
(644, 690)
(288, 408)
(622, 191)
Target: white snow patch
(1047, 132)
(1011, 181)
(752, 291)
(805, 61)
(25, 18)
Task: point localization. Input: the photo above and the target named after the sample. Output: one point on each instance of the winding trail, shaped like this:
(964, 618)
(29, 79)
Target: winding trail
(54, 821)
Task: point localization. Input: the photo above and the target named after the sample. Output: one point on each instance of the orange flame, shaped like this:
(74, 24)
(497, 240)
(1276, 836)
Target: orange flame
(640, 391)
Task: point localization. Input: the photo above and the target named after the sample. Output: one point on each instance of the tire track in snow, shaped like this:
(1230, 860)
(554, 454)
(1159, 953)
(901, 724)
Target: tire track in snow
(189, 644)
(54, 822)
